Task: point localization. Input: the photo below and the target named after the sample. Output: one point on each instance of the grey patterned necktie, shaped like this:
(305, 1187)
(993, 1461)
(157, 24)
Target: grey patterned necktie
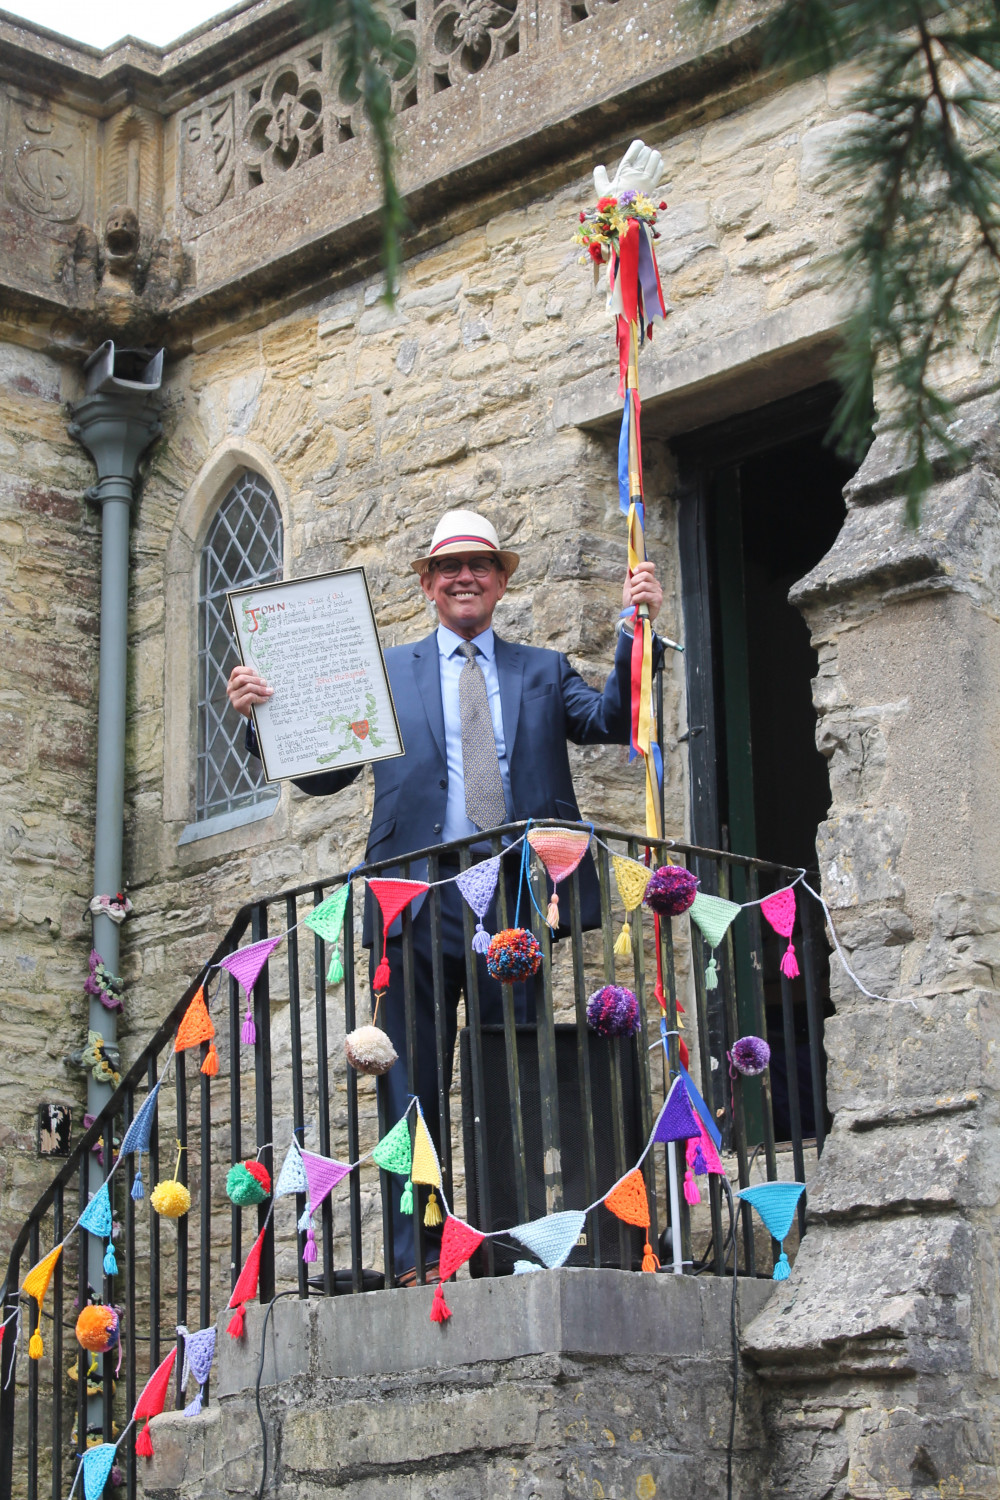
(484, 798)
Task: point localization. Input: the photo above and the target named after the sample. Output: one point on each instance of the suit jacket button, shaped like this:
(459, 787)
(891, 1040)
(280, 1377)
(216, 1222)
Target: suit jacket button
(443, 784)
(437, 827)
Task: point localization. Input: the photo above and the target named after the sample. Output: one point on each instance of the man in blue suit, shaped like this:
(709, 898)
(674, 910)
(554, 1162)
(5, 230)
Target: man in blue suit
(484, 724)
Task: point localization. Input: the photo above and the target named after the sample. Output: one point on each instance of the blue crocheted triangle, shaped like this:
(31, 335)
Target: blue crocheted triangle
(96, 1217)
(97, 1464)
(776, 1203)
(136, 1137)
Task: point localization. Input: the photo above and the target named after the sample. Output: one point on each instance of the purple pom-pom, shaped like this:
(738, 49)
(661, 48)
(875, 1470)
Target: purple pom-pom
(671, 890)
(512, 955)
(613, 1011)
(750, 1055)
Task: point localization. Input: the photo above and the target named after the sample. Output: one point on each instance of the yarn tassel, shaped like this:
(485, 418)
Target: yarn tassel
(649, 1260)
(700, 1165)
(712, 974)
(110, 1263)
(138, 1191)
(335, 973)
(235, 1329)
(481, 941)
(248, 1032)
(691, 1193)
(782, 1269)
(439, 1307)
(406, 1198)
(144, 1443)
(789, 963)
(210, 1066)
(193, 1408)
(433, 1216)
(623, 942)
(309, 1253)
(552, 914)
(35, 1346)
(382, 976)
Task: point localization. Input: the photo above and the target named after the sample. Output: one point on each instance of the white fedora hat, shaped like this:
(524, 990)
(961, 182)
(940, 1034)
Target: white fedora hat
(462, 531)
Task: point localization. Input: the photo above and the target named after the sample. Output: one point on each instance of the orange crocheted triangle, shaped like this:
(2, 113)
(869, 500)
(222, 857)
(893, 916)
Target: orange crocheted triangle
(196, 1024)
(628, 1200)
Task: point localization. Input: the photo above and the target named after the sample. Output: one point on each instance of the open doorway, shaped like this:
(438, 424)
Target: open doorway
(761, 503)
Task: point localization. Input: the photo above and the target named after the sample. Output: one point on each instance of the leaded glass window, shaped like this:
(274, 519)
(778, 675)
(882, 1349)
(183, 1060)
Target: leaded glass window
(243, 546)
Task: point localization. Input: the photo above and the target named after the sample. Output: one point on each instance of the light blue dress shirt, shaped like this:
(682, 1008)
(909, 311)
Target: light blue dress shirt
(457, 823)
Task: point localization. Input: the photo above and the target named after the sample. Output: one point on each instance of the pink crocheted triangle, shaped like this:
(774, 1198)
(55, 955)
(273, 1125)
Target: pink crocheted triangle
(457, 1244)
(246, 963)
(779, 910)
(678, 1121)
(393, 895)
(709, 1155)
(559, 849)
(322, 1174)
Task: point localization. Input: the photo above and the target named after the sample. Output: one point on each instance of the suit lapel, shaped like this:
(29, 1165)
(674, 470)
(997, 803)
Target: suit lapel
(510, 670)
(427, 676)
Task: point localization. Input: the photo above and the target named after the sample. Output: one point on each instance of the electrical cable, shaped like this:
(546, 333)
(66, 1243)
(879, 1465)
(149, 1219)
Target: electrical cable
(260, 1370)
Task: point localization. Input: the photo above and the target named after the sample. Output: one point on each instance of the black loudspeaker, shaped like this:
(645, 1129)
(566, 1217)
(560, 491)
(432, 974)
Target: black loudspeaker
(619, 1244)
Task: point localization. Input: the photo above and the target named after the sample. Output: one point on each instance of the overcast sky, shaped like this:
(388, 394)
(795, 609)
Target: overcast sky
(101, 22)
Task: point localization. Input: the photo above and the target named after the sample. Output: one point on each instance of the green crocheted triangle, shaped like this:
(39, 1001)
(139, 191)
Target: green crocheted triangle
(327, 919)
(392, 1153)
(713, 915)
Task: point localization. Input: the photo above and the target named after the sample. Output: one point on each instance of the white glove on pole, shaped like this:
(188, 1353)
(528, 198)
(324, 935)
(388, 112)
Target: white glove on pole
(640, 169)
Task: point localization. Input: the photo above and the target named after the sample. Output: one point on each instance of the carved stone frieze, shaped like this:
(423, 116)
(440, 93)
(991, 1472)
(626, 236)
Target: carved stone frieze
(208, 154)
(45, 160)
(467, 36)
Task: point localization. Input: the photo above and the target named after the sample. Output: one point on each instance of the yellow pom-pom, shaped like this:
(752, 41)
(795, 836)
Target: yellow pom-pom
(171, 1198)
(623, 943)
(35, 1346)
(432, 1213)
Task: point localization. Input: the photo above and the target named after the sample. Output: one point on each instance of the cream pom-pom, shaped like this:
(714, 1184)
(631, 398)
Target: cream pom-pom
(369, 1050)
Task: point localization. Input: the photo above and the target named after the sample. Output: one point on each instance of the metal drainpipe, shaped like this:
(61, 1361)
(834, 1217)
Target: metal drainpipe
(116, 421)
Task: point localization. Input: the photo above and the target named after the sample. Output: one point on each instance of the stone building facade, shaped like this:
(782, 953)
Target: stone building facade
(220, 199)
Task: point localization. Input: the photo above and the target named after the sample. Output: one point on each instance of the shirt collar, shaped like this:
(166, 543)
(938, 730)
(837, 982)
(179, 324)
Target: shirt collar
(449, 642)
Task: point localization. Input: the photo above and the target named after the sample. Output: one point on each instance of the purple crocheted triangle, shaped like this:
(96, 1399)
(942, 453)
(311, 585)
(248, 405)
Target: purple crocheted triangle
(678, 1121)
(478, 884)
(323, 1174)
(246, 963)
(199, 1351)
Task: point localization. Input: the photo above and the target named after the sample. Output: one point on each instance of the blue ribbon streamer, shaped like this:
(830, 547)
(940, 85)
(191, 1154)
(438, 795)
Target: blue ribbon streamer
(623, 494)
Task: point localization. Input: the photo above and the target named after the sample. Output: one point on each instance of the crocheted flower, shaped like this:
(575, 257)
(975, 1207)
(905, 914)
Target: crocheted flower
(750, 1055)
(513, 954)
(613, 1011)
(671, 890)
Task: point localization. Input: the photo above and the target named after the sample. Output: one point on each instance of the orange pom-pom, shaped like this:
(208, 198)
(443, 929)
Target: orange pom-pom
(97, 1328)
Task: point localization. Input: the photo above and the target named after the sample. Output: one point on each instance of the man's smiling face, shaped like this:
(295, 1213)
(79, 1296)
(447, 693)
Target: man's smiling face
(466, 590)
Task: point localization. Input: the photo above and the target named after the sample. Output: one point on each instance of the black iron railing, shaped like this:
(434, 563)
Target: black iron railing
(563, 1109)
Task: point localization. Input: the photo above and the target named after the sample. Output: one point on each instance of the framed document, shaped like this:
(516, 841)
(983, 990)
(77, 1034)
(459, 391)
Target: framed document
(314, 641)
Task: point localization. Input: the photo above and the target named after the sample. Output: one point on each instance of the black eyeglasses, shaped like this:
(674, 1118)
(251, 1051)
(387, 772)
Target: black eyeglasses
(479, 567)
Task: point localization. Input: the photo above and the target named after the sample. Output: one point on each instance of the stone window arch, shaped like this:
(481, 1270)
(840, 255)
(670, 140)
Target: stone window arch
(243, 545)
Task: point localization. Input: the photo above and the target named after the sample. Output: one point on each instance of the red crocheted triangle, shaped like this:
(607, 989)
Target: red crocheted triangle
(246, 1284)
(154, 1394)
(393, 895)
(457, 1243)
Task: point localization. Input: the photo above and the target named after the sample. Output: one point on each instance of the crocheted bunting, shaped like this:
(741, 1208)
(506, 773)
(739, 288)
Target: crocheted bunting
(457, 1243)
(779, 910)
(246, 963)
(559, 849)
(710, 1157)
(327, 919)
(677, 1120)
(393, 1153)
(196, 1024)
(425, 1167)
(776, 1203)
(628, 1200)
(97, 1465)
(246, 1282)
(199, 1351)
(478, 883)
(393, 895)
(712, 916)
(96, 1217)
(136, 1137)
(36, 1283)
(701, 1108)
(553, 1237)
(292, 1177)
(631, 879)
(154, 1393)
(323, 1174)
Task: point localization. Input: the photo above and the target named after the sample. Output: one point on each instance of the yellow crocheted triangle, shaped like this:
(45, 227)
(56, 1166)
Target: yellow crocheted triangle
(631, 879)
(36, 1283)
(425, 1167)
